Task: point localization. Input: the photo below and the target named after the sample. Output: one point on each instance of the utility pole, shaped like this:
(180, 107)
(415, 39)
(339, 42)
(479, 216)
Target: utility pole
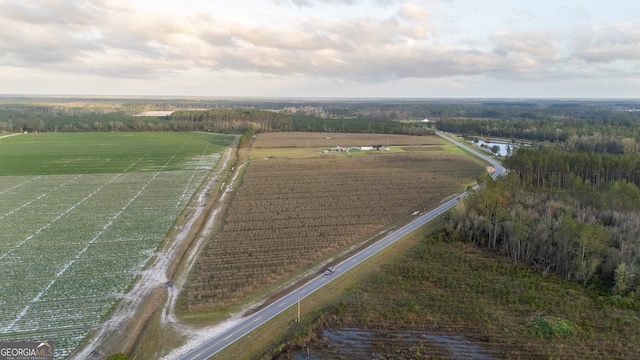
(298, 319)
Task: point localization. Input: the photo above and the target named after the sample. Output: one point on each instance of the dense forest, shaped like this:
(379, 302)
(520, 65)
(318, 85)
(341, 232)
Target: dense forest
(576, 123)
(584, 235)
(555, 168)
(611, 126)
(568, 212)
(109, 117)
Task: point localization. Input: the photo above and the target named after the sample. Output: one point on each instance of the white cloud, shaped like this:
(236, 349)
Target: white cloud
(303, 3)
(607, 43)
(533, 43)
(341, 41)
(413, 12)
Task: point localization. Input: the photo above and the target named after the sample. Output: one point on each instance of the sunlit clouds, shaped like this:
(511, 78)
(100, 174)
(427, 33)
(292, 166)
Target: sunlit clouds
(348, 47)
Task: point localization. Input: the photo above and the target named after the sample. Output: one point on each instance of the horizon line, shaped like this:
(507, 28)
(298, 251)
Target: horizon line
(316, 98)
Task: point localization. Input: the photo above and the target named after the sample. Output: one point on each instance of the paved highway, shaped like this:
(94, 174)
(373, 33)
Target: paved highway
(214, 345)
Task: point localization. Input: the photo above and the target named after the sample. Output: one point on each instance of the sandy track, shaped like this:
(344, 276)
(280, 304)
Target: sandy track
(168, 315)
(14, 134)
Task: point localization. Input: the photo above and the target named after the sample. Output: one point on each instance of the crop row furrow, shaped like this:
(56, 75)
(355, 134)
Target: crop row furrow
(290, 213)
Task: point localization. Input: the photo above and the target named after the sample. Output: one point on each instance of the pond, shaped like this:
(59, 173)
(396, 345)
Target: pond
(505, 147)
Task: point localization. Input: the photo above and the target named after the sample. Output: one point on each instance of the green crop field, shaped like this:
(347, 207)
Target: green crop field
(89, 153)
(81, 214)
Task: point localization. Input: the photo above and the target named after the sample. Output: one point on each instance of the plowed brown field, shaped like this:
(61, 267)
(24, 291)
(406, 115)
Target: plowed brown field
(290, 213)
(302, 139)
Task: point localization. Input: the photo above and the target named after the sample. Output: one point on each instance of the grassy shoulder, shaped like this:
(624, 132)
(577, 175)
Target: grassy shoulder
(459, 290)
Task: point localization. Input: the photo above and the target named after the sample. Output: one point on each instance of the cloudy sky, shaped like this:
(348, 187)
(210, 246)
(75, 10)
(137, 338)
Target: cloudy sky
(321, 48)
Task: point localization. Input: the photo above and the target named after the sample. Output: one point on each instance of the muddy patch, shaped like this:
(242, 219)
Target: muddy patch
(355, 343)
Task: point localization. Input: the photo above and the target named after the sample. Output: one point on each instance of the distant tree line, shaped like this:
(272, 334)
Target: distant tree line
(234, 120)
(214, 120)
(610, 134)
(555, 168)
(78, 123)
(375, 126)
(577, 123)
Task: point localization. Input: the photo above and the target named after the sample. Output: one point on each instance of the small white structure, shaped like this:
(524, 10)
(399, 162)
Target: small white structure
(155, 113)
(339, 148)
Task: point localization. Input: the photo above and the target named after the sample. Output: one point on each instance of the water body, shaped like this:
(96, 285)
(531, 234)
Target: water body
(505, 147)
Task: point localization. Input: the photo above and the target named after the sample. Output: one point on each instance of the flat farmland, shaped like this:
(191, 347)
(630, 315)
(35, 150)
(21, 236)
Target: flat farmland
(314, 140)
(294, 210)
(90, 153)
(81, 214)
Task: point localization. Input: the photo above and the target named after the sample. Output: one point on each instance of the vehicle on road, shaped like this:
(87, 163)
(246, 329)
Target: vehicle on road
(330, 270)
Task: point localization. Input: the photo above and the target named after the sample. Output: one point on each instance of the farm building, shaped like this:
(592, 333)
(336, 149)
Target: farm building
(340, 149)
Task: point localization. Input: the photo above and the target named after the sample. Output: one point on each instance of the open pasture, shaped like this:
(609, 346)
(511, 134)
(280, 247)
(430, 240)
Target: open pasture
(73, 237)
(290, 213)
